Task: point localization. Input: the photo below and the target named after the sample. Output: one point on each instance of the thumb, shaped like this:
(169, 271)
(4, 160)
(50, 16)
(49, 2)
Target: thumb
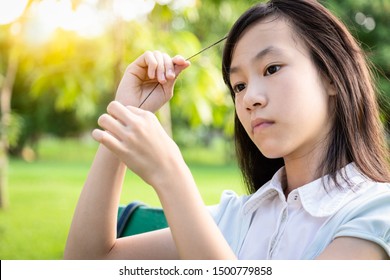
(180, 64)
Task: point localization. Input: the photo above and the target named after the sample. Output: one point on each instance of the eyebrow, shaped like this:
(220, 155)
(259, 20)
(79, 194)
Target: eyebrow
(260, 55)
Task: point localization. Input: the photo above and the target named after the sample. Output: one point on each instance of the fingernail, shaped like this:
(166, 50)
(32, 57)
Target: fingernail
(97, 134)
(171, 73)
(162, 79)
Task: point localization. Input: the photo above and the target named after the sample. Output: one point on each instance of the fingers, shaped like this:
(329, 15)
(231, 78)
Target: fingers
(180, 64)
(119, 112)
(126, 130)
(169, 67)
(106, 139)
(115, 125)
(111, 125)
(161, 66)
(119, 121)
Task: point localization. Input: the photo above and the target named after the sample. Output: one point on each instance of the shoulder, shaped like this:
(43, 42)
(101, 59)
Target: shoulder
(366, 217)
(368, 212)
(374, 194)
(230, 205)
(371, 206)
(230, 218)
(365, 195)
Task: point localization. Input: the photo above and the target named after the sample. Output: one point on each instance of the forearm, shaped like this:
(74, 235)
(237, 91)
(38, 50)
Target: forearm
(194, 231)
(93, 230)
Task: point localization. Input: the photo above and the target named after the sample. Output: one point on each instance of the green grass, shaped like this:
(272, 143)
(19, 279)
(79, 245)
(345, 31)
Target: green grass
(43, 194)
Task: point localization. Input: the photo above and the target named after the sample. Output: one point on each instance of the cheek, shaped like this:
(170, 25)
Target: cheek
(304, 98)
(243, 117)
(238, 108)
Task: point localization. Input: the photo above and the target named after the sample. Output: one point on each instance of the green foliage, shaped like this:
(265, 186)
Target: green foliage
(369, 22)
(60, 85)
(14, 129)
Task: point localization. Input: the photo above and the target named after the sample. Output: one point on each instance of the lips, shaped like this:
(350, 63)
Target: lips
(259, 124)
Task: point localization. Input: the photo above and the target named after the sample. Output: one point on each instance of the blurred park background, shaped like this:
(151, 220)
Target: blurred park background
(60, 62)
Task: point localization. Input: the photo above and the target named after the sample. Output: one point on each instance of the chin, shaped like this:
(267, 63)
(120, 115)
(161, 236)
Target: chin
(271, 152)
(272, 156)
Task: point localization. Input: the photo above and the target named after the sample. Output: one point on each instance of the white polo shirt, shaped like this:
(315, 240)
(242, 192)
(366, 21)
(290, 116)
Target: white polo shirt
(267, 226)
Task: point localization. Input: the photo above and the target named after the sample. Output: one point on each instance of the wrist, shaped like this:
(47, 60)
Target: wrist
(174, 177)
(126, 101)
(136, 103)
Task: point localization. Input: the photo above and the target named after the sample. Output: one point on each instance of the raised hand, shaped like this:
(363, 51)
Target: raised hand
(155, 71)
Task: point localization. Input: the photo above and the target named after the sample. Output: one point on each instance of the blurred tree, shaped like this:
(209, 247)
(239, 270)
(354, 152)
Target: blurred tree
(71, 78)
(9, 62)
(369, 21)
(61, 85)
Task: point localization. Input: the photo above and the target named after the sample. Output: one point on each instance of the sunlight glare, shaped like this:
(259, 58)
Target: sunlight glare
(179, 5)
(163, 2)
(10, 11)
(50, 15)
(86, 21)
(131, 10)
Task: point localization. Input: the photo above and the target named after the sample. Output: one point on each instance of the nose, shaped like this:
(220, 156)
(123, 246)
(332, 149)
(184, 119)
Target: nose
(255, 96)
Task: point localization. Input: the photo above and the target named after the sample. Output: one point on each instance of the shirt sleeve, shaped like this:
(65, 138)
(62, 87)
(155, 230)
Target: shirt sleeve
(229, 218)
(367, 217)
(370, 221)
(219, 211)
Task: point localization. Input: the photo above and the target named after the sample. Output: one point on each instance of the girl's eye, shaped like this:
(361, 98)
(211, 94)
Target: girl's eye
(239, 87)
(272, 70)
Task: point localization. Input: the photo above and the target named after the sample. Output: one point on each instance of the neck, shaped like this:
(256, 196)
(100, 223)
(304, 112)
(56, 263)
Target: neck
(301, 170)
(297, 175)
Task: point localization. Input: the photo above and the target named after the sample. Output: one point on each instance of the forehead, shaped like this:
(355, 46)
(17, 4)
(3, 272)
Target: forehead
(270, 32)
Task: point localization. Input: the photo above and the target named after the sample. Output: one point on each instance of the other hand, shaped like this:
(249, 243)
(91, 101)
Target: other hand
(139, 140)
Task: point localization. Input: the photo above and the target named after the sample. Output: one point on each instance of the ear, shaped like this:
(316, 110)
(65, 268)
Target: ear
(329, 86)
(331, 89)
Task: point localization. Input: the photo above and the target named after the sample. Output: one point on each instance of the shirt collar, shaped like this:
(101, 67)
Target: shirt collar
(268, 190)
(317, 200)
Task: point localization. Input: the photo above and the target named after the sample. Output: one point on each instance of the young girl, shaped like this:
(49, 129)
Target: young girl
(308, 139)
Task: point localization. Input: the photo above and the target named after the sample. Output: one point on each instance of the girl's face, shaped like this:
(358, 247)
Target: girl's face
(281, 99)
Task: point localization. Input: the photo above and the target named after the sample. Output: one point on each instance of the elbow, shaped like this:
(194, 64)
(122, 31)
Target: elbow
(75, 254)
(91, 252)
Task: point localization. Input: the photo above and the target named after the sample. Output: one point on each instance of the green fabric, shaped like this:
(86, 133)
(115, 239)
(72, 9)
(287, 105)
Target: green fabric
(142, 219)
